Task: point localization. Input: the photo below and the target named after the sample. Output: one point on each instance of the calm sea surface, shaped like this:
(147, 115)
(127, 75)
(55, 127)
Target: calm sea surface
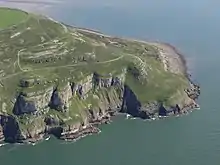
(192, 26)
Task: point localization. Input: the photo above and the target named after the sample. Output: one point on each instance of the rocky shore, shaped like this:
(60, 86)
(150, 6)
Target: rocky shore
(79, 133)
(90, 129)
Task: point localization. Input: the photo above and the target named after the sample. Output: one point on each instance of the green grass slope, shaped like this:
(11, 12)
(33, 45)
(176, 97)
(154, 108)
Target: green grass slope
(11, 17)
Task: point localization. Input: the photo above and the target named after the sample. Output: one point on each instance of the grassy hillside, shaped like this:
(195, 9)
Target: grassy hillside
(11, 17)
(38, 54)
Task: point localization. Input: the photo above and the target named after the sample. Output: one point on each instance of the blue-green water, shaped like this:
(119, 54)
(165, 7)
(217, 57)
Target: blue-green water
(192, 26)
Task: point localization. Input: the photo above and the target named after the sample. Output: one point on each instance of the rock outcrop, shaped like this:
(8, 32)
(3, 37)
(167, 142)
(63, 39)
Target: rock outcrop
(2, 137)
(60, 98)
(11, 129)
(23, 106)
(32, 102)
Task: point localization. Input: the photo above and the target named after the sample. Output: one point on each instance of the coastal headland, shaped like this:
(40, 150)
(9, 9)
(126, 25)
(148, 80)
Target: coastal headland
(65, 81)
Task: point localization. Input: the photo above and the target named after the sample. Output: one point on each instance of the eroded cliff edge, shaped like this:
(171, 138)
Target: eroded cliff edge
(65, 81)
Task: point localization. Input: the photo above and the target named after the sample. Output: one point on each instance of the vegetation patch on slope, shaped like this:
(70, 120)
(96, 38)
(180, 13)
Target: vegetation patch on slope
(11, 17)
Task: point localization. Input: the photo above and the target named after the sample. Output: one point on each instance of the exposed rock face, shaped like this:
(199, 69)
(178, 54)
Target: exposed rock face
(102, 81)
(71, 128)
(52, 121)
(79, 133)
(11, 129)
(23, 106)
(56, 101)
(131, 104)
(35, 130)
(193, 92)
(106, 81)
(32, 102)
(42, 99)
(2, 138)
(26, 83)
(60, 98)
(151, 109)
(83, 87)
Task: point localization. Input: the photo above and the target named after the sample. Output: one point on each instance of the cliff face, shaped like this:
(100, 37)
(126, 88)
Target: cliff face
(10, 128)
(27, 103)
(65, 81)
(60, 98)
(115, 96)
(2, 137)
(111, 91)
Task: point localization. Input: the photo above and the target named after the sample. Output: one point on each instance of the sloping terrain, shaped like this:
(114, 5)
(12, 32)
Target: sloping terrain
(9, 17)
(59, 79)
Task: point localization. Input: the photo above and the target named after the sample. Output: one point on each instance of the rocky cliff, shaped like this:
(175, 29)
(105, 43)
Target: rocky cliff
(60, 80)
(111, 95)
(2, 137)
